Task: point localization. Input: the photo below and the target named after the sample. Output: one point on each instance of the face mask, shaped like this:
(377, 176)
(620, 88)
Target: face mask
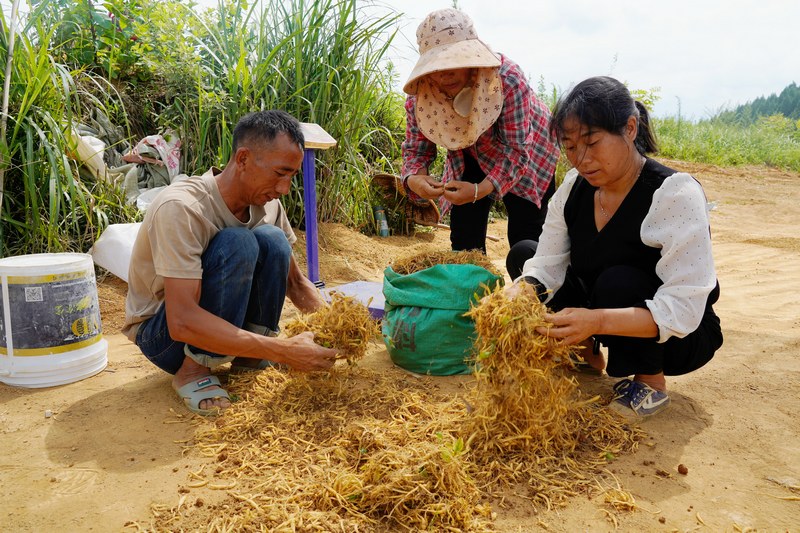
(462, 103)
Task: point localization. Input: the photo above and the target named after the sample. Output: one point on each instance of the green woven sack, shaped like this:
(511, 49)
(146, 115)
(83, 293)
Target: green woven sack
(424, 326)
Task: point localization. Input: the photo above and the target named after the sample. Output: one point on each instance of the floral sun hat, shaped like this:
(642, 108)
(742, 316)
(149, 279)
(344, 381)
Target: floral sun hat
(447, 40)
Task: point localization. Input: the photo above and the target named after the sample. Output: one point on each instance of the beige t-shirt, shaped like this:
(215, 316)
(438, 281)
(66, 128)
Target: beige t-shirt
(175, 232)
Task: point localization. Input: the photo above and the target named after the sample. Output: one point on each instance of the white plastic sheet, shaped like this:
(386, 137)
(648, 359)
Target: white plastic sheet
(89, 151)
(112, 250)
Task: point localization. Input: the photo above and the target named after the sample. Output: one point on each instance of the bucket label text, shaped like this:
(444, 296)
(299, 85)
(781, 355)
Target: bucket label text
(52, 314)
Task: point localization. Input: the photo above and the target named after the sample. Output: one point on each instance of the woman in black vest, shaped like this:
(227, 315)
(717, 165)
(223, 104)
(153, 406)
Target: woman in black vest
(625, 257)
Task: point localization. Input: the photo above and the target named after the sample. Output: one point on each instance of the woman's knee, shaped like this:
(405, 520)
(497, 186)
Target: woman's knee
(519, 253)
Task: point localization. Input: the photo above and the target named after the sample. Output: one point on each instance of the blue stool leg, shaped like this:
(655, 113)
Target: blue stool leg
(310, 203)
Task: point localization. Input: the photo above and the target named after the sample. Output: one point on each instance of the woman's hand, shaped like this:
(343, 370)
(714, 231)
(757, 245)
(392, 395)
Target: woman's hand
(519, 288)
(572, 325)
(425, 186)
(460, 192)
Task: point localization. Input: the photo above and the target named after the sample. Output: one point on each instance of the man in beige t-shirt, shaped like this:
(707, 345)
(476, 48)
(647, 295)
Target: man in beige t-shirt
(212, 265)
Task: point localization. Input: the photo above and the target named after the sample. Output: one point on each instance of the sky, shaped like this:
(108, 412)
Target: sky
(702, 55)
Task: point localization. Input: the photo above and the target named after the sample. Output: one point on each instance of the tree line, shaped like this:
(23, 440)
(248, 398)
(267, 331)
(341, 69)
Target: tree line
(787, 103)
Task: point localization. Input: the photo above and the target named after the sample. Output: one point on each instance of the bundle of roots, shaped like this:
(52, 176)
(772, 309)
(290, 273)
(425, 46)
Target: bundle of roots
(345, 325)
(525, 402)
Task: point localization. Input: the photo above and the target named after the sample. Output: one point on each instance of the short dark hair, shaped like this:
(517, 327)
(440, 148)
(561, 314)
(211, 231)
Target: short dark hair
(604, 103)
(265, 126)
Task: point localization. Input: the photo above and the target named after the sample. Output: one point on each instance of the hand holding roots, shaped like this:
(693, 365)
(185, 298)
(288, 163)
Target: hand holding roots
(345, 325)
(506, 331)
(523, 404)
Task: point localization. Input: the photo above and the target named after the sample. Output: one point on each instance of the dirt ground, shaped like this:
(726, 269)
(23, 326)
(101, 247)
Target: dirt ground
(114, 445)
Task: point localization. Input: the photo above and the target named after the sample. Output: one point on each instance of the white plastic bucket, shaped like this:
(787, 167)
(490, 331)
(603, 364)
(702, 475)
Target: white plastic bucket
(50, 329)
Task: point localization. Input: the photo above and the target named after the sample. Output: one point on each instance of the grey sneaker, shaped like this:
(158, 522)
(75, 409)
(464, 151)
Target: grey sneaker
(641, 398)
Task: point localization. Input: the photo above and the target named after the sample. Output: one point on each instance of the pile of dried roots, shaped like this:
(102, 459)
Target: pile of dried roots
(350, 450)
(415, 263)
(527, 410)
(360, 450)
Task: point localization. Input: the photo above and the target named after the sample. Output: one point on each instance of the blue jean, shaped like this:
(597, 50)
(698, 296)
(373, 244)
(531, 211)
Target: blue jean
(240, 265)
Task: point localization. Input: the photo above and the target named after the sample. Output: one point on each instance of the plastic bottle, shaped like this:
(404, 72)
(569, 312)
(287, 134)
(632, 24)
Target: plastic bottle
(380, 220)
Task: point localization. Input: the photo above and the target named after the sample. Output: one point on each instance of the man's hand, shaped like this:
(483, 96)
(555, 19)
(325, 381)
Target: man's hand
(306, 297)
(425, 186)
(301, 353)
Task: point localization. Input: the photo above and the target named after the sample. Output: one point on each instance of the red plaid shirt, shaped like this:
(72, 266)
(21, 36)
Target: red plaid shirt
(517, 153)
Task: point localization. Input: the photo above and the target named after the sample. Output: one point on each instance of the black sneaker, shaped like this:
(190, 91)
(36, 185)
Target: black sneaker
(641, 398)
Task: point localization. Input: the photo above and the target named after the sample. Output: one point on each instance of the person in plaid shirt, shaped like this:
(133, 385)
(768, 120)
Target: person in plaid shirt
(479, 106)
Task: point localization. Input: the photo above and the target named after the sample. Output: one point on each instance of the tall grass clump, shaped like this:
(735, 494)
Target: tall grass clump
(164, 65)
(46, 205)
(322, 61)
(723, 139)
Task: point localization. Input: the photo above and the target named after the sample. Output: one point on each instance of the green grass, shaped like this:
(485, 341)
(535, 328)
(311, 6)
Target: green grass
(772, 141)
(165, 65)
(322, 61)
(46, 204)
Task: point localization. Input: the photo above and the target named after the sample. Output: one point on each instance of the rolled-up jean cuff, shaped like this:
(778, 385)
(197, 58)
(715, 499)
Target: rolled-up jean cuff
(261, 330)
(210, 361)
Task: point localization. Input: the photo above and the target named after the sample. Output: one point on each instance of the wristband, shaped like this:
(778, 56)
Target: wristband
(475, 199)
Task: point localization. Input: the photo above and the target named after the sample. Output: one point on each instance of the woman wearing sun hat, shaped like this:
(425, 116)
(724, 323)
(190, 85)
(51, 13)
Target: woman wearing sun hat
(479, 106)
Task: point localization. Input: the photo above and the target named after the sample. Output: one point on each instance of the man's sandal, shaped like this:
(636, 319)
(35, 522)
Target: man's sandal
(192, 394)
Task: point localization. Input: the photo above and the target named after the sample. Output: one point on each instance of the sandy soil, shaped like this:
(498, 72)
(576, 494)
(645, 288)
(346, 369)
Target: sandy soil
(115, 443)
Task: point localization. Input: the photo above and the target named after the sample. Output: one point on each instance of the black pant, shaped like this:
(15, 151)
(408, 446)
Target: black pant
(625, 286)
(468, 222)
(518, 254)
